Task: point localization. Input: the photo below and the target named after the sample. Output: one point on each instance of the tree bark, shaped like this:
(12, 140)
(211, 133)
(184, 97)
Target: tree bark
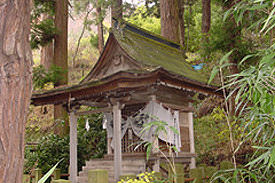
(47, 51)
(205, 26)
(99, 27)
(16, 86)
(116, 10)
(169, 13)
(47, 55)
(61, 60)
(181, 23)
(234, 35)
(206, 16)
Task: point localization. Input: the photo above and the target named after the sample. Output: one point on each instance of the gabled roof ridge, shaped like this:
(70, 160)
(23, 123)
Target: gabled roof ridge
(145, 33)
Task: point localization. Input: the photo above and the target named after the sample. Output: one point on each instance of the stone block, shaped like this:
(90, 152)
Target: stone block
(56, 174)
(197, 174)
(179, 172)
(98, 176)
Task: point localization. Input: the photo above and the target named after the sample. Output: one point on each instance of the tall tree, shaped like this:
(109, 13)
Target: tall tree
(205, 25)
(169, 13)
(116, 9)
(15, 82)
(233, 34)
(47, 51)
(181, 23)
(61, 60)
(99, 18)
(206, 17)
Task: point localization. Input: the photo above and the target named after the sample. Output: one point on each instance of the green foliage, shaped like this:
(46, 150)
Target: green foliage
(211, 137)
(42, 33)
(94, 40)
(49, 173)
(150, 23)
(41, 77)
(52, 148)
(253, 90)
(152, 8)
(42, 6)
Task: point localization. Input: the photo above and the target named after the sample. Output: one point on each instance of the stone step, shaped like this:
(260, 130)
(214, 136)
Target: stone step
(111, 163)
(111, 167)
(82, 179)
(111, 171)
(128, 167)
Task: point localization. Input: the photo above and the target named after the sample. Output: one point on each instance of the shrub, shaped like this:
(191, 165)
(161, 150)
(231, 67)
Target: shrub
(52, 148)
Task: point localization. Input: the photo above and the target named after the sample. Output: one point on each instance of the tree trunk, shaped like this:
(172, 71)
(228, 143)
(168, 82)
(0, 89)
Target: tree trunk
(206, 16)
(116, 10)
(61, 60)
(234, 35)
(16, 86)
(169, 13)
(205, 26)
(46, 56)
(181, 23)
(99, 27)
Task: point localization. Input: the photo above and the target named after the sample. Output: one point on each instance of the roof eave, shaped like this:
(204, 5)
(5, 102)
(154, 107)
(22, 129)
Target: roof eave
(121, 80)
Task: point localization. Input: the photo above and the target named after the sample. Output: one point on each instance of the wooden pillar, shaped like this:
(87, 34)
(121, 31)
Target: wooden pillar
(191, 138)
(117, 141)
(109, 147)
(73, 147)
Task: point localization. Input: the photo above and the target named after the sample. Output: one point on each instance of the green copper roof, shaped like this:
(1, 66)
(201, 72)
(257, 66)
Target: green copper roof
(154, 51)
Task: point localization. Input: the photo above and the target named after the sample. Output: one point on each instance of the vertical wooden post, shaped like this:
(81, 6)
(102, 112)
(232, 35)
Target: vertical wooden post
(117, 141)
(73, 147)
(109, 147)
(191, 138)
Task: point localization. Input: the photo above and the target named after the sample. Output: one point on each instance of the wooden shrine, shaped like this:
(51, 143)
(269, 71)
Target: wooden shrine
(136, 67)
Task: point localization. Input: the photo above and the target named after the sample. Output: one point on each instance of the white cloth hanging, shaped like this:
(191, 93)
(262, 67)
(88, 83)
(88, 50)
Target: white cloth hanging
(156, 112)
(87, 125)
(153, 111)
(110, 127)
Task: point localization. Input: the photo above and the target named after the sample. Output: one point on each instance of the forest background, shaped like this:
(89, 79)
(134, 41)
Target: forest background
(232, 40)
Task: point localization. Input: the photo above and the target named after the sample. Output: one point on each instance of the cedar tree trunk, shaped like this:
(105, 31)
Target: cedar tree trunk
(47, 50)
(234, 35)
(206, 16)
(99, 27)
(61, 60)
(169, 13)
(181, 23)
(206, 23)
(16, 86)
